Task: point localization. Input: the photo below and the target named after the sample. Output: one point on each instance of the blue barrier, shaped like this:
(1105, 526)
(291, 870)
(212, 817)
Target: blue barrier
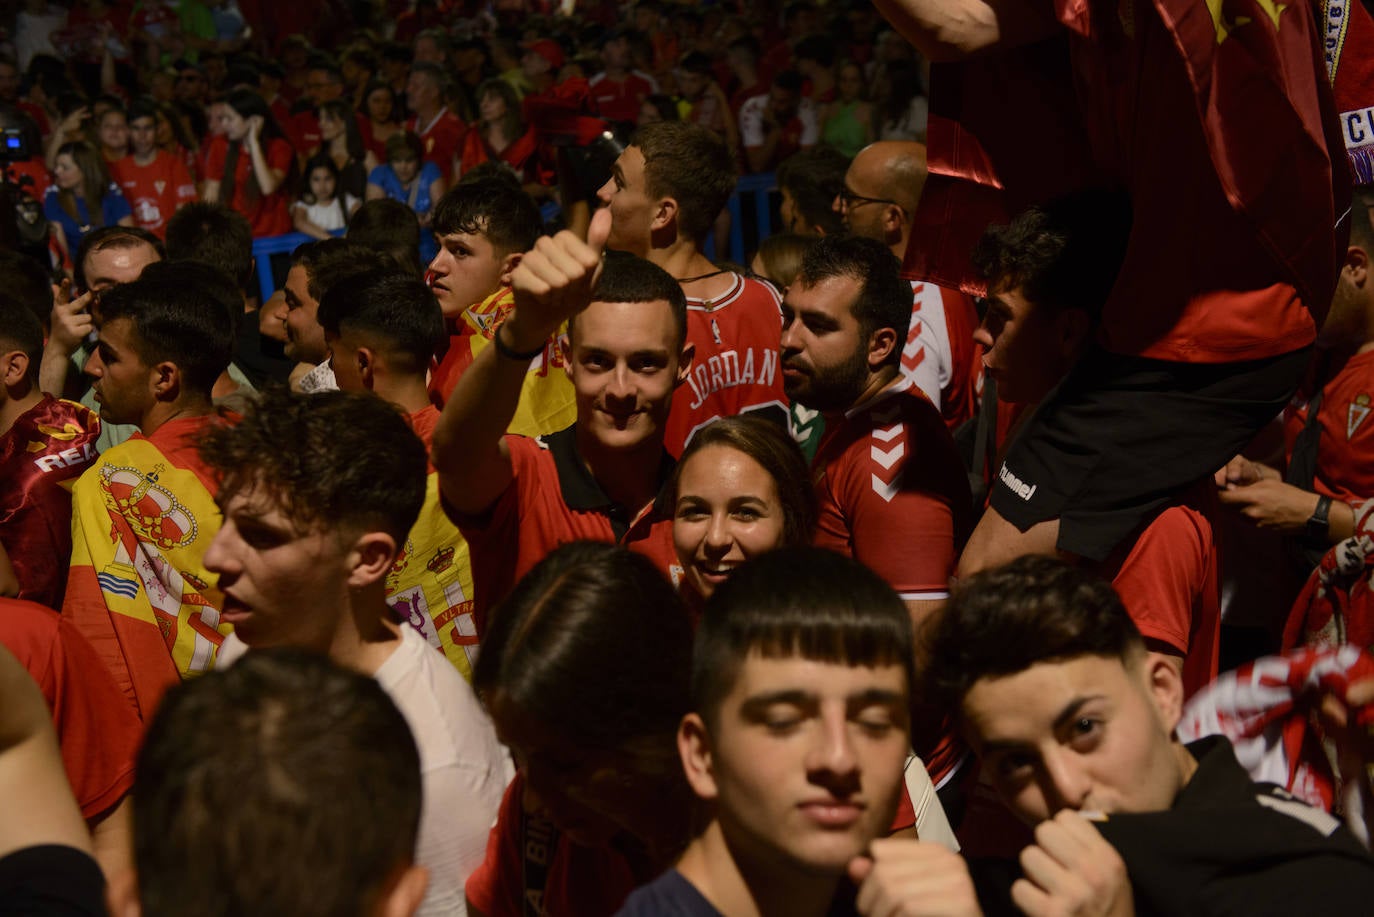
(756, 188)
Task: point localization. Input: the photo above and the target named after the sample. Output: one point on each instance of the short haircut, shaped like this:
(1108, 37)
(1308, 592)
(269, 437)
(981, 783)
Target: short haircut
(690, 164)
(213, 234)
(389, 228)
(284, 784)
(770, 445)
(1035, 609)
(434, 71)
(116, 237)
(627, 278)
(1062, 255)
(175, 318)
(28, 283)
(398, 309)
(1362, 218)
(142, 107)
(493, 208)
(404, 145)
(21, 330)
(803, 602)
(884, 299)
(593, 628)
(330, 460)
(328, 261)
(813, 179)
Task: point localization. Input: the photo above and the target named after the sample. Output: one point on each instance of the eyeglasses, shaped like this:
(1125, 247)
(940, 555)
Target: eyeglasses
(850, 199)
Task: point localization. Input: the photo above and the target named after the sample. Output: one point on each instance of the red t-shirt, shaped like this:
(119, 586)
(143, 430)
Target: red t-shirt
(619, 100)
(735, 368)
(155, 191)
(940, 356)
(97, 728)
(1345, 449)
(578, 880)
(892, 491)
(268, 216)
(1169, 584)
(553, 499)
(441, 140)
(37, 172)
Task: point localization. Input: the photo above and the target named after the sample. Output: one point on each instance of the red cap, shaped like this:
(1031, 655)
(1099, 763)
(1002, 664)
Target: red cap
(548, 49)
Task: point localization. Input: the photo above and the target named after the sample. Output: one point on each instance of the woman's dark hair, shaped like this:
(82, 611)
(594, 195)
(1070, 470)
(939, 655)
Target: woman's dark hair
(179, 130)
(353, 138)
(512, 125)
(372, 87)
(95, 181)
(664, 105)
(246, 104)
(323, 160)
(595, 645)
(775, 451)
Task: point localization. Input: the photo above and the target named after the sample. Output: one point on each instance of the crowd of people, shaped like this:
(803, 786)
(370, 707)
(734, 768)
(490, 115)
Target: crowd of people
(990, 539)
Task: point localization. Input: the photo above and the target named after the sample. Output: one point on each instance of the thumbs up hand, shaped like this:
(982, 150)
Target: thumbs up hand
(554, 281)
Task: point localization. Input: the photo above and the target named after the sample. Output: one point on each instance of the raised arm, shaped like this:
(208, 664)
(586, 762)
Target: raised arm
(945, 30)
(553, 282)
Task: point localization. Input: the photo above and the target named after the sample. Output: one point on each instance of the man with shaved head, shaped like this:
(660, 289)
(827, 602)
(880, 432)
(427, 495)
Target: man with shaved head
(878, 200)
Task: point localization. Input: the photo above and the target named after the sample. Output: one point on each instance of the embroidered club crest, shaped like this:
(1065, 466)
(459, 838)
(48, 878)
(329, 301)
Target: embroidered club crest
(1356, 414)
(159, 185)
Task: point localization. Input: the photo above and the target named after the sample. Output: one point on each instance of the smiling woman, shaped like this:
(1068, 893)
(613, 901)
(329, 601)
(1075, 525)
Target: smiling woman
(741, 489)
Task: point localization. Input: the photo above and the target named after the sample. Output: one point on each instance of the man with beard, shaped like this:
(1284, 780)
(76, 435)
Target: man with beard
(891, 489)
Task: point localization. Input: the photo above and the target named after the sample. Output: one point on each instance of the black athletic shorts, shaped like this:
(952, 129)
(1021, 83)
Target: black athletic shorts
(1120, 436)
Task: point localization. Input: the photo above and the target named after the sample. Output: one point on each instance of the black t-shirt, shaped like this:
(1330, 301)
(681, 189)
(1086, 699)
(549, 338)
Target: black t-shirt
(51, 880)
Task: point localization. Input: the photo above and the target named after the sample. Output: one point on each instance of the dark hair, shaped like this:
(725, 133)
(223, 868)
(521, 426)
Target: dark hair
(1062, 255)
(183, 136)
(21, 330)
(690, 164)
(404, 142)
(1003, 621)
(213, 234)
(398, 308)
(790, 80)
(389, 228)
(253, 772)
(247, 103)
(1362, 218)
(143, 107)
(353, 137)
(748, 44)
(118, 237)
(434, 72)
(330, 460)
(28, 283)
(175, 318)
(512, 122)
(813, 179)
(596, 645)
(819, 48)
(884, 299)
(770, 445)
(664, 105)
(782, 255)
(373, 87)
(490, 207)
(697, 62)
(626, 278)
(95, 182)
(797, 601)
(328, 261)
(323, 160)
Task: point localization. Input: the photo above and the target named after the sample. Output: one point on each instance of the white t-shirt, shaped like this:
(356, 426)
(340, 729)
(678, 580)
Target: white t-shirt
(464, 769)
(328, 217)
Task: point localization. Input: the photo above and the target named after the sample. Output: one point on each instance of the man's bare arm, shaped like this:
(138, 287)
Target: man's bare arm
(948, 30)
(552, 283)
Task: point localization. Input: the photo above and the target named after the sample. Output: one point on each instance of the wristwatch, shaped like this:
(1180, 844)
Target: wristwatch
(1319, 524)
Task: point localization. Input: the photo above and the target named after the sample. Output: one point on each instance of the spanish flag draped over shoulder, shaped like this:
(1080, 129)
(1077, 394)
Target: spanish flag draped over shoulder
(429, 585)
(546, 399)
(1009, 130)
(142, 518)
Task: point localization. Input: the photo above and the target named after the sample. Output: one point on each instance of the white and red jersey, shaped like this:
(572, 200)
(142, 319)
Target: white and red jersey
(737, 337)
(155, 191)
(939, 356)
(619, 100)
(892, 491)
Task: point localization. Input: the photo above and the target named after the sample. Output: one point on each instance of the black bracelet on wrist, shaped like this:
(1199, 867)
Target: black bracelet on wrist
(504, 350)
